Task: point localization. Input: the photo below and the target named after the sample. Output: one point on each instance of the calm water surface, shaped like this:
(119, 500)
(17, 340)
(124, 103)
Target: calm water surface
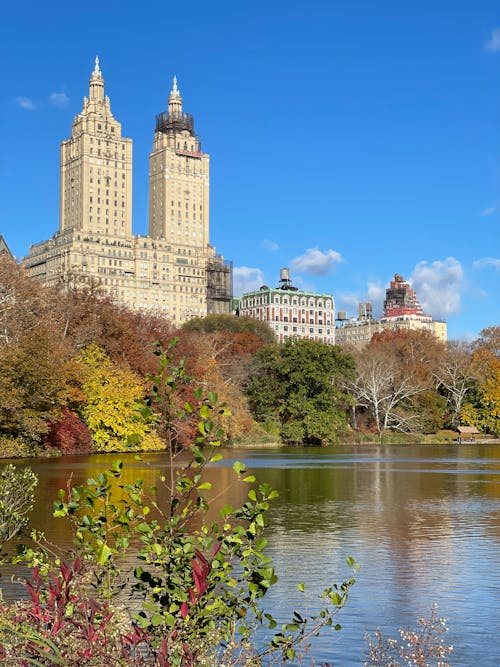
(423, 522)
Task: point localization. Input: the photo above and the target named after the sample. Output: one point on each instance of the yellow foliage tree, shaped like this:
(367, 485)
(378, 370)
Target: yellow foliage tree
(484, 410)
(112, 409)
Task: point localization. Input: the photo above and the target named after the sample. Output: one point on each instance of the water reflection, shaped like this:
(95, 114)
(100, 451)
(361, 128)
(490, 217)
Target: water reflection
(423, 522)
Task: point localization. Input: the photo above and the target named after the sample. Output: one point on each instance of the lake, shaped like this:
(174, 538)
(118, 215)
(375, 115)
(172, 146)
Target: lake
(423, 522)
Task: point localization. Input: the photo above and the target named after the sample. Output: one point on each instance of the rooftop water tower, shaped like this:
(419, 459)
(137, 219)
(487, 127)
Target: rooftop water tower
(285, 282)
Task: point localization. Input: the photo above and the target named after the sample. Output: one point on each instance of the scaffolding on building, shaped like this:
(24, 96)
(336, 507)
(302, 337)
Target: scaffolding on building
(219, 285)
(172, 123)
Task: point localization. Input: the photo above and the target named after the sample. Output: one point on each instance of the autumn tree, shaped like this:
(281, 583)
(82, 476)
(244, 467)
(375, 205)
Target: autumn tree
(24, 304)
(300, 386)
(415, 355)
(222, 361)
(220, 351)
(33, 387)
(232, 324)
(113, 405)
(482, 405)
(126, 336)
(488, 340)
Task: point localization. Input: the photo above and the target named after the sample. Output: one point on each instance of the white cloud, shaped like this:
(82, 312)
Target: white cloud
(271, 246)
(315, 262)
(25, 103)
(375, 293)
(246, 279)
(58, 99)
(438, 286)
(490, 210)
(349, 302)
(493, 43)
(486, 261)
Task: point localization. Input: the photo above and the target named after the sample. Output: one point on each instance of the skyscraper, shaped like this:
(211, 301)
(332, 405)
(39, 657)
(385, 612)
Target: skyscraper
(96, 169)
(174, 271)
(401, 299)
(178, 178)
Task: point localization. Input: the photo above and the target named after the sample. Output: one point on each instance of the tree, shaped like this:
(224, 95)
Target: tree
(24, 304)
(33, 386)
(299, 385)
(482, 405)
(69, 435)
(455, 377)
(112, 408)
(489, 340)
(232, 324)
(414, 355)
(384, 391)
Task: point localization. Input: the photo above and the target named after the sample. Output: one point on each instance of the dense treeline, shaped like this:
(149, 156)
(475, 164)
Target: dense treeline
(74, 371)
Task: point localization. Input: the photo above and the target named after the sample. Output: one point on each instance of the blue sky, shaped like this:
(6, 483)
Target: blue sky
(349, 140)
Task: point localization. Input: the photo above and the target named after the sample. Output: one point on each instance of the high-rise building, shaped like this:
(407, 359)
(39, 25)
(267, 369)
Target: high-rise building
(291, 313)
(178, 179)
(402, 311)
(96, 169)
(401, 299)
(174, 271)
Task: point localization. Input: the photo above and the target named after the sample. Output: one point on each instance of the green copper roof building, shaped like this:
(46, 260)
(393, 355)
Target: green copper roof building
(290, 312)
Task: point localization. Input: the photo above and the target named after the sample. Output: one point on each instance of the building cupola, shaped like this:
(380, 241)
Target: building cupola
(96, 82)
(175, 101)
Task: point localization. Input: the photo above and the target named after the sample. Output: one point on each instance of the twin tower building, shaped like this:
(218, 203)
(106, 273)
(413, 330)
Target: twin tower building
(173, 271)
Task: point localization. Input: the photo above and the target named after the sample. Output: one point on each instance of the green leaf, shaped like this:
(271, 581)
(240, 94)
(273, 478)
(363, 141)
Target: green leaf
(272, 623)
(212, 398)
(336, 599)
(239, 467)
(156, 620)
(169, 620)
(205, 485)
(103, 554)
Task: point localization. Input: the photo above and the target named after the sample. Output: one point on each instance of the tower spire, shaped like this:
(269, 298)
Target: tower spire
(175, 101)
(96, 90)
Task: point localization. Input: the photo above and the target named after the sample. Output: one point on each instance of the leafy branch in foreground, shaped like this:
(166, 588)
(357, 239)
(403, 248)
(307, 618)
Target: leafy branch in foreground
(17, 489)
(196, 585)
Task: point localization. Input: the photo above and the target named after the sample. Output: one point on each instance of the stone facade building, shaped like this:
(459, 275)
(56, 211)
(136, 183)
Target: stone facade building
(4, 248)
(173, 271)
(402, 311)
(291, 313)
